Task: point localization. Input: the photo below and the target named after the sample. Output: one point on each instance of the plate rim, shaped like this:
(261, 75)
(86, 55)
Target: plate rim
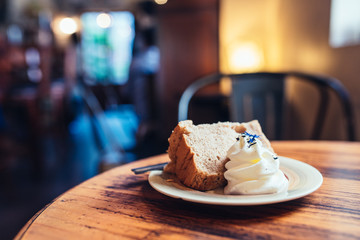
(196, 196)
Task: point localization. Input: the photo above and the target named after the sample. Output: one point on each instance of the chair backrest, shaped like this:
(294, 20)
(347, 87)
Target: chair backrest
(261, 96)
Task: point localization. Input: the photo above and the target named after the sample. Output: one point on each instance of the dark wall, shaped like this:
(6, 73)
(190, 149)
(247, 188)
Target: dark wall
(188, 39)
(3, 11)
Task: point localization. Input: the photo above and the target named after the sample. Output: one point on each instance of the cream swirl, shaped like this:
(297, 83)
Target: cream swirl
(253, 169)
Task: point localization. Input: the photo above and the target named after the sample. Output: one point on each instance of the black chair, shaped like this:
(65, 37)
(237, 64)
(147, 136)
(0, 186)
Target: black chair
(262, 96)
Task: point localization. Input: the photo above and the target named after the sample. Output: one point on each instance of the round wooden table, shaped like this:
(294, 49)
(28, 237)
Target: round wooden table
(120, 205)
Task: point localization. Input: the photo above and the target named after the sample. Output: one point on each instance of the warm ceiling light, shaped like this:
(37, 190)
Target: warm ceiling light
(161, 2)
(103, 20)
(68, 25)
(246, 57)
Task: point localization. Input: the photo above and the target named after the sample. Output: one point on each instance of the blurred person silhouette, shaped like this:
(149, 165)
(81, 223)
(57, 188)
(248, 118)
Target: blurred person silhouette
(143, 69)
(140, 88)
(72, 73)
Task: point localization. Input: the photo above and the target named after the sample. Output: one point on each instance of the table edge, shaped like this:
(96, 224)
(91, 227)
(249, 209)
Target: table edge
(28, 224)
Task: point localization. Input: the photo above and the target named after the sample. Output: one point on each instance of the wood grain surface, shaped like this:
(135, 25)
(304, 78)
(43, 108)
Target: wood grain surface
(120, 205)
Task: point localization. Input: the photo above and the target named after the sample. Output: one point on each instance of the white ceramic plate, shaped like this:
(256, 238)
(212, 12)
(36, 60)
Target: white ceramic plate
(303, 180)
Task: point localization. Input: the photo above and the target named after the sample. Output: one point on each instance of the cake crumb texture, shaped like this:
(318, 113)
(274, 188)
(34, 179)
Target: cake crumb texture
(198, 152)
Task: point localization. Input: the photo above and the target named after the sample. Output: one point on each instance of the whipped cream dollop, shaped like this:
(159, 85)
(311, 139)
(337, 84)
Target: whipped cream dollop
(253, 169)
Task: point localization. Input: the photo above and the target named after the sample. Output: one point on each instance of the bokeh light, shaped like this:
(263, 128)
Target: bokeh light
(68, 25)
(103, 20)
(161, 2)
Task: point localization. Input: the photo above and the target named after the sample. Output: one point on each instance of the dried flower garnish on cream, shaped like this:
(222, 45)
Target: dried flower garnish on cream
(253, 169)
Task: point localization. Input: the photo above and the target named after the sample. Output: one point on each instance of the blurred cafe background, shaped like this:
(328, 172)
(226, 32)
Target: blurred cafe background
(87, 85)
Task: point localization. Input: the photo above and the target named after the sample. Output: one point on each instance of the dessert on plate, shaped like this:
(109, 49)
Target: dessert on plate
(206, 157)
